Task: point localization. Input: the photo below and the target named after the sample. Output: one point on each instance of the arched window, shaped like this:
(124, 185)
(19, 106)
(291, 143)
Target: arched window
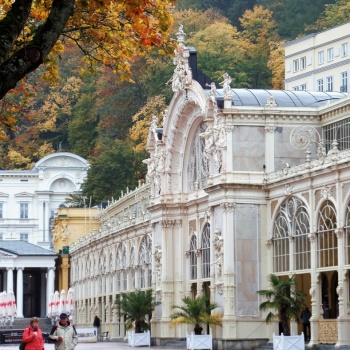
(205, 252)
(121, 268)
(198, 168)
(145, 255)
(347, 234)
(193, 257)
(132, 267)
(327, 243)
(292, 222)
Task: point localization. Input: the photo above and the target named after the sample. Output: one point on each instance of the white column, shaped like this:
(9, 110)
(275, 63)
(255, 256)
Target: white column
(269, 148)
(50, 286)
(9, 285)
(19, 294)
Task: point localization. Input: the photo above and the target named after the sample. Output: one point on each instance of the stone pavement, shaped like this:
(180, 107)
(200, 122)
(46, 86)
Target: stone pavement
(91, 346)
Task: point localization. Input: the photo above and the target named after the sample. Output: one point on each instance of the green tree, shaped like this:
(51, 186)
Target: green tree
(136, 307)
(197, 312)
(294, 16)
(334, 14)
(113, 171)
(283, 301)
(220, 49)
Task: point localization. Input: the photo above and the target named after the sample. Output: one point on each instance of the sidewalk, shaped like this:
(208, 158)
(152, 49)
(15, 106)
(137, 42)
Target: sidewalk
(90, 346)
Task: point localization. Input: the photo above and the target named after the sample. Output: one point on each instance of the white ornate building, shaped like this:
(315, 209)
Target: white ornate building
(241, 183)
(28, 200)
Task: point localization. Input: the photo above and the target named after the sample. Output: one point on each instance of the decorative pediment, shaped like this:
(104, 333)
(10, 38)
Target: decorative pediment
(6, 255)
(62, 160)
(2, 195)
(24, 195)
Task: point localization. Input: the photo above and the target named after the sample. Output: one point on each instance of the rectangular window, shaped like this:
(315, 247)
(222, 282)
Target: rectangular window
(303, 63)
(329, 82)
(344, 49)
(295, 88)
(303, 87)
(330, 54)
(1, 236)
(23, 237)
(321, 57)
(295, 65)
(1, 210)
(24, 210)
(344, 82)
(320, 85)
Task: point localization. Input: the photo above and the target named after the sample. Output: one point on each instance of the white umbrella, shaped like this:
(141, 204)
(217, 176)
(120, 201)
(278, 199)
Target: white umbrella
(50, 307)
(62, 302)
(70, 301)
(3, 306)
(11, 306)
(56, 301)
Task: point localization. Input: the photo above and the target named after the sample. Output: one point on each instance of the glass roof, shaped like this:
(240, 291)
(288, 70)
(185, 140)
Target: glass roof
(283, 98)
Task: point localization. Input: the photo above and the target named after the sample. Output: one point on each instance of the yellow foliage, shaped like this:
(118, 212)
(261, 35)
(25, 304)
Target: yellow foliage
(17, 160)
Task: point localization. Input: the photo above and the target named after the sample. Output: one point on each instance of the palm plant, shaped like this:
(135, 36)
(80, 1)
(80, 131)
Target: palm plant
(196, 312)
(284, 301)
(135, 307)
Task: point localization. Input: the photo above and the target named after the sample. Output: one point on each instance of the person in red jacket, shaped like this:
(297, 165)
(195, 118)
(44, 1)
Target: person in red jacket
(32, 336)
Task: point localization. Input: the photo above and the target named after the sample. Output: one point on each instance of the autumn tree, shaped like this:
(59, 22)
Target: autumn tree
(107, 31)
(259, 31)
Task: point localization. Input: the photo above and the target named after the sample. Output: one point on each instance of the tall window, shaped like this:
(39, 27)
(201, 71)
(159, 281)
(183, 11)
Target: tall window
(321, 57)
(193, 257)
(303, 63)
(344, 82)
(327, 247)
(347, 234)
(132, 267)
(1, 210)
(292, 221)
(295, 65)
(330, 54)
(329, 82)
(320, 84)
(146, 262)
(121, 268)
(198, 168)
(24, 210)
(205, 253)
(303, 87)
(344, 49)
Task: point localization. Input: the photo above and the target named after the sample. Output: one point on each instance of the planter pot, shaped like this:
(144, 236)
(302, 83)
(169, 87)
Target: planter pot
(199, 341)
(139, 339)
(285, 342)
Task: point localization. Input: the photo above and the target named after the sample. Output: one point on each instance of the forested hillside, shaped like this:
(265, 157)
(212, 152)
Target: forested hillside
(92, 113)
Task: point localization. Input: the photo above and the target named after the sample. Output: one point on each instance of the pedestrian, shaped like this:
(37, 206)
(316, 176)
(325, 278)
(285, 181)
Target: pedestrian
(97, 323)
(64, 334)
(32, 336)
(305, 319)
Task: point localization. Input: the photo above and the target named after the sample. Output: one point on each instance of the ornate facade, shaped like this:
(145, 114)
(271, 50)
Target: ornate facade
(240, 184)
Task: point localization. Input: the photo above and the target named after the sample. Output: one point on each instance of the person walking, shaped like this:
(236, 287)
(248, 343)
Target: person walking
(32, 336)
(305, 319)
(64, 334)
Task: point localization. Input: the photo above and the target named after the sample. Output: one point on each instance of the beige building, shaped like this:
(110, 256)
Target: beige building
(319, 62)
(241, 184)
(70, 225)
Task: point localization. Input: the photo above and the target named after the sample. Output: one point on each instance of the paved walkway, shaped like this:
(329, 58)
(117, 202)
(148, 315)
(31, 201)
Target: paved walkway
(91, 346)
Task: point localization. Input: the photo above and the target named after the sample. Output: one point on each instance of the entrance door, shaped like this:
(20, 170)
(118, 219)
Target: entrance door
(31, 293)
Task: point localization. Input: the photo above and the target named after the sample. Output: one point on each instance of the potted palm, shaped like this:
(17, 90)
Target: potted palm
(284, 302)
(136, 307)
(197, 312)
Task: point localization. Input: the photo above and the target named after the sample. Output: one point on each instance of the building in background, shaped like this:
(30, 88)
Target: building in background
(28, 200)
(320, 61)
(241, 184)
(70, 225)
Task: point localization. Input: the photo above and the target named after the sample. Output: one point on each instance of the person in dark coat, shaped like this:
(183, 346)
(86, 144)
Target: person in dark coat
(305, 319)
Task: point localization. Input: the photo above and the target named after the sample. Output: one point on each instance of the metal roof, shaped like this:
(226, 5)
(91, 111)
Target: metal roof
(283, 98)
(24, 248)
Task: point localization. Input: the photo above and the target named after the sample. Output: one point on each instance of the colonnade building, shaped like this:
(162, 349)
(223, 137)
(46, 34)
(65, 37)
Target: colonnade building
(28, 200)
(241, 183)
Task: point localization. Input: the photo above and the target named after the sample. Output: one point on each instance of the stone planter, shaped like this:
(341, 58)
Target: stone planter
(199, 341)
(283, 342)
(139, 339)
